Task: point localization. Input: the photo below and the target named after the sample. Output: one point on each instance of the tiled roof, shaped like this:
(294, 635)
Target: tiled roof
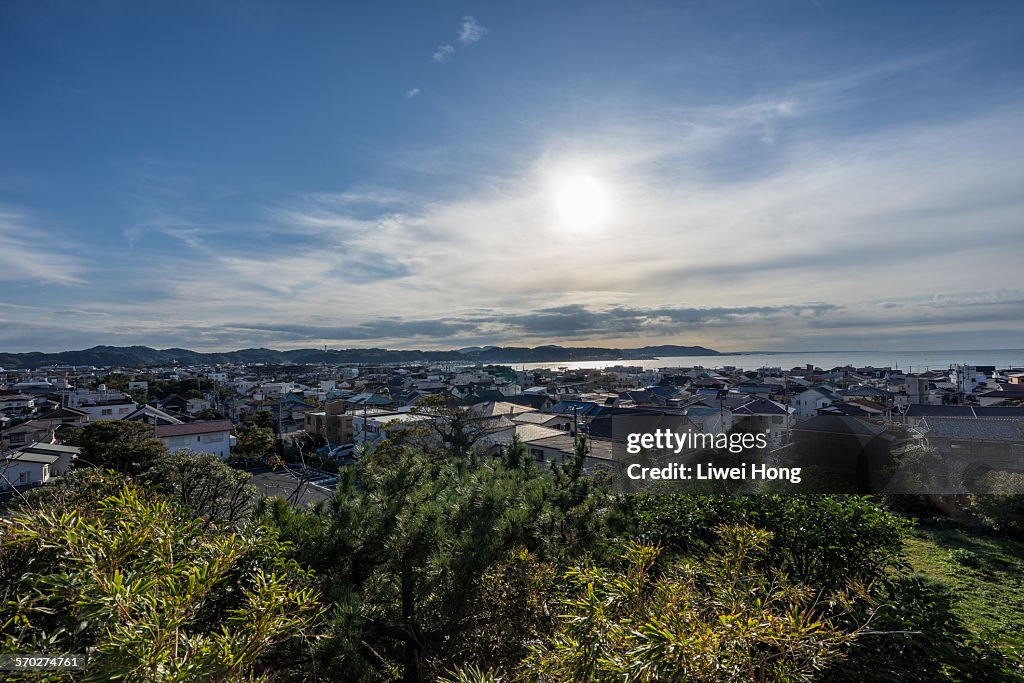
(209, 427)
(1009, 430)
(22, 456)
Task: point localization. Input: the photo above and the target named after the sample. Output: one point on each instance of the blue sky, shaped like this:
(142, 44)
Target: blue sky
(798, 175)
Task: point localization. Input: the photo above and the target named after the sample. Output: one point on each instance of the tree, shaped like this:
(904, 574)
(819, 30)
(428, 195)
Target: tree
(820, 540)
(208, 414)
(134, 580)
(455, 427)
(265, 419)
(125, 446)
(254, 441)
(403, 545)
(724, 618)
(515, 452)
(202, 484)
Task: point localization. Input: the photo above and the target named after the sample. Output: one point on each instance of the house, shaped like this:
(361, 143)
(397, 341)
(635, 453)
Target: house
(22, 470)
(153, 416)
(1006, 394)
(807, 403)
(852, 450)
(995, 443)
(762, 415)
(332, 423)
(26, 433)
(499, 407)
(174, 404)
(213, 436)
(536, 401)
(493, 442)
(710, 419)
(560, 422)
(16, 403)
(373, 427)
(196, 405)
(112, 409)
(857, 407)
(63, 416)
(758, 390)
(66, 456)
(562, 447)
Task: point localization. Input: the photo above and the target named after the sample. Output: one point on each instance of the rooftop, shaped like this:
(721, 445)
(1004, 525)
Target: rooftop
(209, 427)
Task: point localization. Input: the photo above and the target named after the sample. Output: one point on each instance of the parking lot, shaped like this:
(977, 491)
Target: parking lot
(282, 482)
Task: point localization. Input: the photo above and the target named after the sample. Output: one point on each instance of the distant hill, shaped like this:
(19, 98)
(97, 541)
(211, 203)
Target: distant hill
(144, 356)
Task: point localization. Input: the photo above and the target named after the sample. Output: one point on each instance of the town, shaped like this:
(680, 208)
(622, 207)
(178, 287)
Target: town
(314, 419)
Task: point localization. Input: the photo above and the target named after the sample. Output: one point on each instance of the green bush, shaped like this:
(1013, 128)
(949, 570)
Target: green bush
(1003, 507)
(722, 618)
(821, 540)
(148, 592)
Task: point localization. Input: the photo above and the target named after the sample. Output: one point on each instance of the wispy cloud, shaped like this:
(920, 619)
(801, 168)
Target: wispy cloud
(443, 53)
(28, 254)
(470, 31)
(747, 224)
(412, 92)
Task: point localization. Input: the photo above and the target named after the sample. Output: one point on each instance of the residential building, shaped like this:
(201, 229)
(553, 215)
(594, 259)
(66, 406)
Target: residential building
(213, 436)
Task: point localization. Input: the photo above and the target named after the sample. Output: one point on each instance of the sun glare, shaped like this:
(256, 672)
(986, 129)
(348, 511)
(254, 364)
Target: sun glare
(582, 202)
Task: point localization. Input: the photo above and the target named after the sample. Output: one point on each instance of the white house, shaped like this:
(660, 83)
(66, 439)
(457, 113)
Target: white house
(197, 405)
(114, 409)
(25, 469)
(213, 436)
(16, 403)
(808, 402)
(66, 456)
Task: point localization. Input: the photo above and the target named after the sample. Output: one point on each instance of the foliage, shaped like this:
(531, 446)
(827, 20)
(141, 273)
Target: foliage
(821, 540)
(512, 610)
(124, 446)
(208, 414)
(265, 419)
(254, 441)
(133, 580)
(986, 599)
(202, 484)
(917, 637)
(407, 540)
(1003, 507)
(723, 618)
(454, 427)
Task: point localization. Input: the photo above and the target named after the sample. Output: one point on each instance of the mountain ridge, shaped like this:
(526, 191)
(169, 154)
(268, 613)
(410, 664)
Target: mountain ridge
(145, 356)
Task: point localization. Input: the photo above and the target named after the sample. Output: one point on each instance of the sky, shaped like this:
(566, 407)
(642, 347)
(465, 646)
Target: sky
(815, 175)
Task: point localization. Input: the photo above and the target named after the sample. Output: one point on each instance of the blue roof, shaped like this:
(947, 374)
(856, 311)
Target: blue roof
(567, 407)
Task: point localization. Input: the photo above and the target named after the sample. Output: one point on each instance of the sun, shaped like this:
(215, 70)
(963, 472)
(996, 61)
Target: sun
(582, 202)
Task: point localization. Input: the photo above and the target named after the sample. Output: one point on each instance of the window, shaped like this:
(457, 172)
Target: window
(18, 438)
(776, 419)
(107, 411)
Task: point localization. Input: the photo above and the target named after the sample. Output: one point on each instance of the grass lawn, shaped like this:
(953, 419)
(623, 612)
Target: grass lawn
(985, 573)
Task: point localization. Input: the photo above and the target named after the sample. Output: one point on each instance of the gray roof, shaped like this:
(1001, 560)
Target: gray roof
(536, 418)
(52, 448)
(145, 411)
(920, 410)
(22, 456)
(1008, 430)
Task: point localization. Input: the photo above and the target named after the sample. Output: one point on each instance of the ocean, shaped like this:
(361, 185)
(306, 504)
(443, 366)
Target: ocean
(910, 361)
